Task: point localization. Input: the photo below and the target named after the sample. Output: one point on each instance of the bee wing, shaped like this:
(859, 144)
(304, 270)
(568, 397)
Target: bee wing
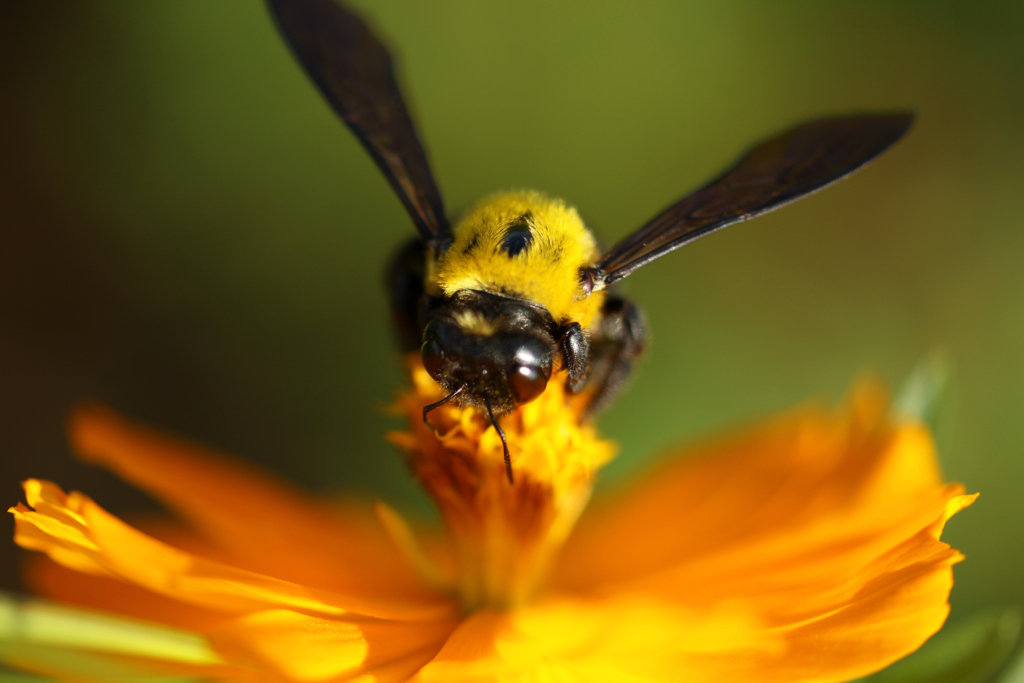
(353, 71)
(775, 172)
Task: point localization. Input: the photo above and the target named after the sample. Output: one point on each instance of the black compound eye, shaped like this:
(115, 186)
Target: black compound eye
(527, 382)
(432, 356)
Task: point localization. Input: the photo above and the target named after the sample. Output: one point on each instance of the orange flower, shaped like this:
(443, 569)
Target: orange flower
(802, 549)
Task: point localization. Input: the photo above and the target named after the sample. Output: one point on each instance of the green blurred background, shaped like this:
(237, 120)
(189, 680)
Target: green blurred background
(187, 232)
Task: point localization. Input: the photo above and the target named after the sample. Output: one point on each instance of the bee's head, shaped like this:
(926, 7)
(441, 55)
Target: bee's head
(500, 350)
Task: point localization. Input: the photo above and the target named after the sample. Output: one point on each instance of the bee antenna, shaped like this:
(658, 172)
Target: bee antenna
(504, 442)
(432, 406)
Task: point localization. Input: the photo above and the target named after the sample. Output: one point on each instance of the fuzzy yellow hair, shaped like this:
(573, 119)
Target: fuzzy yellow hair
(547, 272)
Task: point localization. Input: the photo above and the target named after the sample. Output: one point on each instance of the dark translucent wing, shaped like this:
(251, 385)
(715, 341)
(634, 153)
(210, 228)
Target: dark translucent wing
(775, 172)
(353, 70)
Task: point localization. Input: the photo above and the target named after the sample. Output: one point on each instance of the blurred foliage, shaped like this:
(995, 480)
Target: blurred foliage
(982, 649)
(187, 233)
(81, 645)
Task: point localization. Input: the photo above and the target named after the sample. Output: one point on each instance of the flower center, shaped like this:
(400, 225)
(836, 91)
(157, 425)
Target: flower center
(503, 536)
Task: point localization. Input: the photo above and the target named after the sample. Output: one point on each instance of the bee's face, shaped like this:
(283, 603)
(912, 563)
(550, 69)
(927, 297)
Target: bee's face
(499, 349)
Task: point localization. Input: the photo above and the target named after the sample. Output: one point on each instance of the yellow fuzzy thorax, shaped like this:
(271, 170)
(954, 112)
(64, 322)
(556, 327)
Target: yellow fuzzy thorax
(546, 273)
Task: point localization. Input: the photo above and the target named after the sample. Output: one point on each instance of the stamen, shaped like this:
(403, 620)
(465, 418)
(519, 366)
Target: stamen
(506, 527)
(504, 443)
(432, 406)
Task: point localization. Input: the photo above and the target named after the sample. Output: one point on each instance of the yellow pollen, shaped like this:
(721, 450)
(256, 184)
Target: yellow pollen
(503, 536)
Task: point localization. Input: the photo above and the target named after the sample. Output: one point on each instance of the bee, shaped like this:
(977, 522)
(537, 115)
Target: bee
(517, 289)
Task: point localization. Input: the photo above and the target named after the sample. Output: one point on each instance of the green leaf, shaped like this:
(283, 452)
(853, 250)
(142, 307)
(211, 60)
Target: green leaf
(44, 623)
(1013, 672)
(974, 650)
(90, 645)
(103, 667)
(922, 393)
(12, 677)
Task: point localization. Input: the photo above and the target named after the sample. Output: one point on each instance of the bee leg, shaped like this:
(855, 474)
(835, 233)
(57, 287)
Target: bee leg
(576, 349)
(615, 345)
(407, 297)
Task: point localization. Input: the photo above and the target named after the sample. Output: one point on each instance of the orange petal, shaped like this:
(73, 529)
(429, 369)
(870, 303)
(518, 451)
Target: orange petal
(55, 581)
(266, 526)
(823, 529)
(278, 643)
(629, 636)
(71, 525)
(300, 647)
(811, 493)
(106, 592)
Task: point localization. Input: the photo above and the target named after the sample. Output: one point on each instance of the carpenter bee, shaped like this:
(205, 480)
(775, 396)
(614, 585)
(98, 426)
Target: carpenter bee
(517, 289)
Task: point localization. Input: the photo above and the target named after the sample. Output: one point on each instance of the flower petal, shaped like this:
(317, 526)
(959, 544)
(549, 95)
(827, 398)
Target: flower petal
(55, 581)
(266, 526)
(900, 602)
(301, 647)
(824, 528)
(625, 638)
(281, 642)
(73, 526)
(798, 491)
